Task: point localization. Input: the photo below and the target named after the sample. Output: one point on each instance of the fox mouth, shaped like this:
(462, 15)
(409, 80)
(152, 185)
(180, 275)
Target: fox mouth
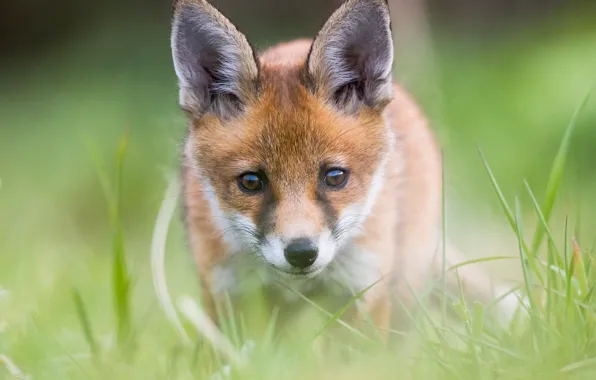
(298, 273)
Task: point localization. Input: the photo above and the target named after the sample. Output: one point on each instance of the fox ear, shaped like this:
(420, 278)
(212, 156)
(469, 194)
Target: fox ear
(351, 59)
(216, 67)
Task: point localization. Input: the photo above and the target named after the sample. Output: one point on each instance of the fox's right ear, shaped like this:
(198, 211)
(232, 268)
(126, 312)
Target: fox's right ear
(351, 58)
(216, 66)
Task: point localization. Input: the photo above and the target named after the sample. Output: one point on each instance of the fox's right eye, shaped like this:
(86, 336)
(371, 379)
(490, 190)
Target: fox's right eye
(251, 182)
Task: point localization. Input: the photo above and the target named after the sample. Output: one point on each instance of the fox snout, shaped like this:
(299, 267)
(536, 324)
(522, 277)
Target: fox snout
(300, 256)
(299, 242)
(301, 253)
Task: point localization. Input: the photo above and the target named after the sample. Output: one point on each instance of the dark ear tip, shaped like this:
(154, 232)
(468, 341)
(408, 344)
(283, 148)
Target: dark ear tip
(177, 5)
(384, 3)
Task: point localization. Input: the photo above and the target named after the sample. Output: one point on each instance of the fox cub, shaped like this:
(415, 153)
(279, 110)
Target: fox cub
(307, 167)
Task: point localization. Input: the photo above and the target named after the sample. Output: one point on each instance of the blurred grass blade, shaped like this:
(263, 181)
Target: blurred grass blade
(565, 247)
(481, 260)
(270, 329)
(544, 223)
(158, 252)
(582, 365)
(462, 304)
(526, 263)
(120, 289)
(100, 171)
(433, 349)
(477, 320)
(570, 267)
(120, 276)
(503, 350)
(209, 330)
(12, 369)
(233, 324)
(510, 216)
(460, 310)
(477, 330)
(337, 315)
(85, 323)
(524, 258)
(427, 314)
(551, 284)
(497, 189)
(121, 281)
(556, 175)
(562, 274)
(332, 317)
(580, 269)
(465, 313)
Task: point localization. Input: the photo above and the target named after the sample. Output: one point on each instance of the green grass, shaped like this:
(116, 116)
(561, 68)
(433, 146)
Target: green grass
(77, 293)
(553, 338)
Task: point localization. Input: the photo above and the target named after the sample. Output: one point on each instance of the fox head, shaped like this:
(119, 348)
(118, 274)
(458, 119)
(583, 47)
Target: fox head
(289, 147)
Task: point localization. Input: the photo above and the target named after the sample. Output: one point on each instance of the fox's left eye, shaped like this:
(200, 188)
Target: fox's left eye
(336, 178)
(251, 182)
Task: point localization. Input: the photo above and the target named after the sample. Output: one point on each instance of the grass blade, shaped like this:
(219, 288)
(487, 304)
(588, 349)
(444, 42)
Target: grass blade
(510, 216)
(570, 267)
(580, 269)
(543, 223)
(477, 320)
(525, 260)
(103, 177)
(120, 276)
(497, 189)
(12, 368)
(582, 365)
(337, 315)
(328, 314)
(205, 326)
(556, 175)
(526, 263)
(480, 260)
(121, 281)
(158, 248)
(85, 323)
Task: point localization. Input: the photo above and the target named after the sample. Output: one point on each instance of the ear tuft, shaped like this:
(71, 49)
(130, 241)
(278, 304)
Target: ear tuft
(216, 66)
(351, 59)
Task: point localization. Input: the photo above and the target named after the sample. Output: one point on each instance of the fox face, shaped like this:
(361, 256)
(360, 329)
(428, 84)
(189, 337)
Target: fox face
(290, 149)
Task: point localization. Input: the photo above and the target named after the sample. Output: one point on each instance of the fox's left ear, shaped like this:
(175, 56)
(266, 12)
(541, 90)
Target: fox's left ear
(216, 67)
(351, 59)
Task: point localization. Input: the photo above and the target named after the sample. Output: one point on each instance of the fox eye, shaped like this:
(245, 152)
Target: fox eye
(336, 178)
(250, 182)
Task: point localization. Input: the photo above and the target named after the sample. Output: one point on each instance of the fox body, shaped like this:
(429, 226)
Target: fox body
(307, 165)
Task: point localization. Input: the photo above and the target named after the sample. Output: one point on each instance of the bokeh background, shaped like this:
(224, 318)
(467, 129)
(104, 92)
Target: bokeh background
(76, 75)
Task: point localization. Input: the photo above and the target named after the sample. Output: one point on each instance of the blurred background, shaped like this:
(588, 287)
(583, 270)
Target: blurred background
(76, 75)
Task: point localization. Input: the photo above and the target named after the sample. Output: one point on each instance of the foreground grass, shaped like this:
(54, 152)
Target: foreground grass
(554, 337)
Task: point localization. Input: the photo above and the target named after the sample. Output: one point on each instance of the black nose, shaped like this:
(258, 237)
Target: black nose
(301, 253)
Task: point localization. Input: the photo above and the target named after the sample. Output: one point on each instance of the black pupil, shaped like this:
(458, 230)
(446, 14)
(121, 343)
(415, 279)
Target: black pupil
(251, 182)
(335, 177)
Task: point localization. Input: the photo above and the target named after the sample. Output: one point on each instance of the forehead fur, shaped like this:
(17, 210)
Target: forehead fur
(289, 126)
